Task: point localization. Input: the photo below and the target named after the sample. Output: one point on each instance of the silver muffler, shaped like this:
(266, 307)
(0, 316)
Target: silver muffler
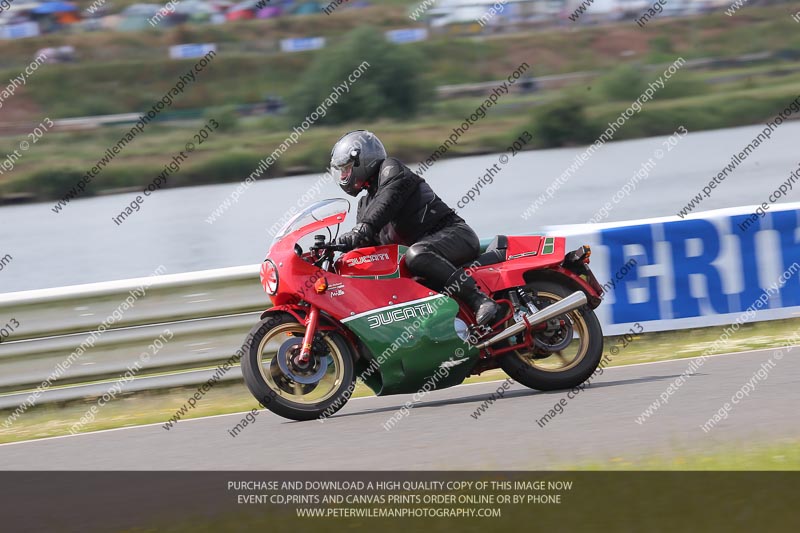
(570, 303)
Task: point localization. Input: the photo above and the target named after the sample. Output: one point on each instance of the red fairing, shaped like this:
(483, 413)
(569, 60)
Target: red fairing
(535, 246)
(344, 295)
(524, 254)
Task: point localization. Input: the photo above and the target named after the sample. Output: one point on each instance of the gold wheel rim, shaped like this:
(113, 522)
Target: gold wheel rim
(579, 327)
(274, 377)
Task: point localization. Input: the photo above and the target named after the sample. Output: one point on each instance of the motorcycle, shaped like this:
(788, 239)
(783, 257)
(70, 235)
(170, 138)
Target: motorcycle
(363, 314)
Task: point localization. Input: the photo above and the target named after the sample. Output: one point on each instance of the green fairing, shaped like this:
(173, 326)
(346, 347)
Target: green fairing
(408, 357)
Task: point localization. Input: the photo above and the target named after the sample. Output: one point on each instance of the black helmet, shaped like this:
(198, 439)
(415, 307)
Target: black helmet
(355, 159)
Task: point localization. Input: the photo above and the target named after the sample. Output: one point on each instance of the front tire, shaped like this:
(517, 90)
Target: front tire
(304, 393)
(538, 370)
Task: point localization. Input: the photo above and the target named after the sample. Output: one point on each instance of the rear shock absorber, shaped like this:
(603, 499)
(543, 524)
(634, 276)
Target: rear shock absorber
(518, 311)
(527, 300)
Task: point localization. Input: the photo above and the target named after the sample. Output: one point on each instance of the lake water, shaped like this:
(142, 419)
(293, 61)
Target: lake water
(83, 245)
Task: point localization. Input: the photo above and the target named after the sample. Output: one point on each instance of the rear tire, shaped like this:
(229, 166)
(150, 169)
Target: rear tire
(278, 392)
(522, 367)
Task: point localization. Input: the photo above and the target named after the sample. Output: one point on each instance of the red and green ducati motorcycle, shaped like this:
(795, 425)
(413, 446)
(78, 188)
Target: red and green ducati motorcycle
(363, 315)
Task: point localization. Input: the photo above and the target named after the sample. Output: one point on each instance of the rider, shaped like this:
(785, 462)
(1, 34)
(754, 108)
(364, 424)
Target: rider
(400, 207)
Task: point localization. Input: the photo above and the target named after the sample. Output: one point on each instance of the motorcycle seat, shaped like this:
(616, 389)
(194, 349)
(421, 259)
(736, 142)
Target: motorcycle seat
(495, 252)
(499, 243)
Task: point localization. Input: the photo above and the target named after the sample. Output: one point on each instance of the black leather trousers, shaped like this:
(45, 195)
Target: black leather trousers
(438, 255)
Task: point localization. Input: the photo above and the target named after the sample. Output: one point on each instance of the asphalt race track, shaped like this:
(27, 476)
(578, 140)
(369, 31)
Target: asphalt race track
(440, 432)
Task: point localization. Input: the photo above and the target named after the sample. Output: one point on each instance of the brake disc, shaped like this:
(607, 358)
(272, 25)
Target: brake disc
(285, 384)
(557, 340)
(307, 374)
(556, 336)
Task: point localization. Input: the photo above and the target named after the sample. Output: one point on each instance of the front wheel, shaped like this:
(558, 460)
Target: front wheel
(277, 379)
(566, 353)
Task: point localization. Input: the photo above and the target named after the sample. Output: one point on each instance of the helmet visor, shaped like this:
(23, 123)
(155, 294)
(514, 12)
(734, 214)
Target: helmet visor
(342, 173)
(342, 157)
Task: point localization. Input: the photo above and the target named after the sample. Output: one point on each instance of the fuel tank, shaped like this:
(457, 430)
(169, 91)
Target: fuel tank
(375, 262)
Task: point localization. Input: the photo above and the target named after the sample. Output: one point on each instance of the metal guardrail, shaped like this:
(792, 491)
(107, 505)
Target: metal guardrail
(209, 314)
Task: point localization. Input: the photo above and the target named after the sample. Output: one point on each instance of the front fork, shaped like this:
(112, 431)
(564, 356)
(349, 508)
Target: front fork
(308, 338)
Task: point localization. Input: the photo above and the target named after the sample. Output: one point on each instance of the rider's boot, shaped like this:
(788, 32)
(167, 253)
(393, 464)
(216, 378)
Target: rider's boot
(467, 290)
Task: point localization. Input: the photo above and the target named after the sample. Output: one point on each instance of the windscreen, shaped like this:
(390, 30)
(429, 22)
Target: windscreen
(313, 213)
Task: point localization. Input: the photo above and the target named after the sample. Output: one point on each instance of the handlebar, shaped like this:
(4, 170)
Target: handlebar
(332, 247)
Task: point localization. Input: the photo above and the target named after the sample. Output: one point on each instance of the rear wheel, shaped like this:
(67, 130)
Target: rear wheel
(277, 378)
(567, 352)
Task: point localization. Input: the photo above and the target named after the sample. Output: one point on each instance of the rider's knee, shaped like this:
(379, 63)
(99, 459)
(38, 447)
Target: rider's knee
(415, 256)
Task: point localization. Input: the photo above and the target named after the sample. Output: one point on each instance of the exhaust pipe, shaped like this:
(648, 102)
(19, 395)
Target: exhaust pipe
(570, 303)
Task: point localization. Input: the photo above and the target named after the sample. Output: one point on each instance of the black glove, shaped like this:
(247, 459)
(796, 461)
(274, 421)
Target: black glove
(360, 235)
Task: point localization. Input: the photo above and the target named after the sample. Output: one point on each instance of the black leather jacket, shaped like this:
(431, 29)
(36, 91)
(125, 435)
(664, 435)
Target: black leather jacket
(401, 207)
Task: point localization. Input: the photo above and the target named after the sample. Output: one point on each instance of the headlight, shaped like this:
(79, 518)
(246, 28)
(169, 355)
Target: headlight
(462, 330)
(269, 277)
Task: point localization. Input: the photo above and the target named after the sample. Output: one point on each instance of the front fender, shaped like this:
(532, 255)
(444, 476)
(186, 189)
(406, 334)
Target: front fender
(326, 322)
(297, 311)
